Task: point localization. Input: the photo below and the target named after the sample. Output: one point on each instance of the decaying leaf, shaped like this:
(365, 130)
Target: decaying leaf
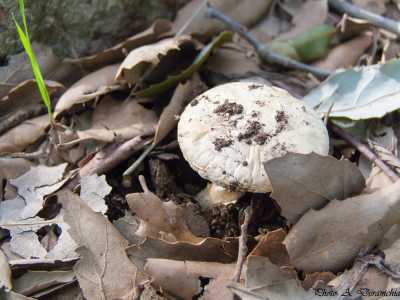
(311, 181)
(168, 223)
(88, 88)
(184, 93)
(345, 55)
(102, 250)
(25, 134)
(182, 278)
(116, 121)
(93, 190)
(116, 53)
(25, 95)
(143, 59)
(198, 62)
(359, 93)
(330, 239)
(246, 12)
(208, 250)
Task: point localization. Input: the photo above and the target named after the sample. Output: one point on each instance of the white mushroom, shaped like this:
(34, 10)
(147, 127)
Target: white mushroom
(227, 133)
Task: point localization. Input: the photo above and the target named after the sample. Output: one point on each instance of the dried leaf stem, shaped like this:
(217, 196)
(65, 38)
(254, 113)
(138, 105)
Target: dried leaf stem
(263, 50)
(243, 249)
(358, 12)
(366, 151)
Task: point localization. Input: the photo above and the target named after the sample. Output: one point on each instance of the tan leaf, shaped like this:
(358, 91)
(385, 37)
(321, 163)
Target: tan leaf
(93, 190)
(304, 181)
(25, 95)
(116, 53)
(102, 251)
(25, 134)
(330, 239)
(11, 168)
(345, 55)
(271, 246)
(113, 121)
(144, 58)
(311, 13)
(88, 88)
(181, 278)
(232, 62)
(246, 12)
(167, 223)
(377, 179)
(208, 250)
(5, 272)
(184, 93)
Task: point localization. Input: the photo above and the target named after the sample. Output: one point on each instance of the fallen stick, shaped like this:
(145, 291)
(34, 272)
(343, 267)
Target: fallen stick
(358, 12)
(263, 50)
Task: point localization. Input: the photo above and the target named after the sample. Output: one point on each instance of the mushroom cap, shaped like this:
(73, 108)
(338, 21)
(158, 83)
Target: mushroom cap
(227, 133)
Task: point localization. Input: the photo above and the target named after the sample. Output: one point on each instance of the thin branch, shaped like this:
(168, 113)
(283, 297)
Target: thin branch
(20, 116)
(263, 50)
(243, 249)
(358, 12)
(192, 17)
(139, 160)
(366, 151)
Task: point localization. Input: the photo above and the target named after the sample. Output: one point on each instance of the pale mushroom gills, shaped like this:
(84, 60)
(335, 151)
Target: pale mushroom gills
(228, 132)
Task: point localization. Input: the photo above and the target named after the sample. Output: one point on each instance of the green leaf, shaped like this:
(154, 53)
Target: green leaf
(201, 58)
(24, 37)
(359, 93)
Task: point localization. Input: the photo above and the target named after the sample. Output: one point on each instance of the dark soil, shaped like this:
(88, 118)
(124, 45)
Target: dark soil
(220, 143)
(229, 108)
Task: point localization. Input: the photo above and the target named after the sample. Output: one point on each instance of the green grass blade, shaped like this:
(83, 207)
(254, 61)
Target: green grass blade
(24, 37)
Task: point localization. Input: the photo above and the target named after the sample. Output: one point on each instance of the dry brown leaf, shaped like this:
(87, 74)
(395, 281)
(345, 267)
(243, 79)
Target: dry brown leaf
(25, 95)
(377, 179)
(271, 246)
(330, 239)
(375, 6)
(25, 134)
(94, 189)
(145, 58)
(304, 181)
(311, 279)
(127, 226)
(208, 250)
(5, 273)
(32, 282)
(11, 168)
(233, 62)
(246, 12)
(345, 55)
(113, 121)
(112, 55)
(159, 219)
(184, 93)
(88, 88)
(311, 13)
(102, 250)
(182, 278)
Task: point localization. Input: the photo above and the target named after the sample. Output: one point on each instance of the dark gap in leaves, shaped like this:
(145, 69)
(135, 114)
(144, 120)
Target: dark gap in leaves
(51, 208)
(204, 281)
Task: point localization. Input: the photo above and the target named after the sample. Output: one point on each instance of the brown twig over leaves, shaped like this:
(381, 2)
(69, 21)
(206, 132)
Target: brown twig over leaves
(243, 249)
(263, 50)
(366, 151)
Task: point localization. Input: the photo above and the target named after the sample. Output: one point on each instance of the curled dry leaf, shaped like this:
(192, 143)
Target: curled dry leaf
(167, 223)
(311, 181)
(113, 121)
(208, 250)
(93, 190)
(184, 93)
(182, 278)
(88, 88)
(102, 251)
(25, 134)
(246, 12)
(330, 239)
(345, 55)
(112, 55)
(25, 95)
(143, 59)
(359, 93)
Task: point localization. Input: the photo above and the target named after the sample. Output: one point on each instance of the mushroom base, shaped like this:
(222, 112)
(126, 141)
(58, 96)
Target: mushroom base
(214, 195)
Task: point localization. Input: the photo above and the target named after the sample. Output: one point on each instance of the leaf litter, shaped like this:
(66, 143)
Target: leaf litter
(73, 222)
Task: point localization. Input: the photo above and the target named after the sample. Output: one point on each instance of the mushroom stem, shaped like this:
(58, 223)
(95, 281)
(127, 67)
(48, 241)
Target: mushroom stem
(214, 194)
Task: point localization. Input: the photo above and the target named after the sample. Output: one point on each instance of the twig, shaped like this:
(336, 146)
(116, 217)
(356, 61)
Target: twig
(366, 151)
(263, 51)
(139, 160)
(243, 249)
(358, 12)
(20, 116)
(192, 17)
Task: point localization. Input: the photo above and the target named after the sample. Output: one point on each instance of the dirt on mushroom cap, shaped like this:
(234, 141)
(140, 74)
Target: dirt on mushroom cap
(236, 123)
